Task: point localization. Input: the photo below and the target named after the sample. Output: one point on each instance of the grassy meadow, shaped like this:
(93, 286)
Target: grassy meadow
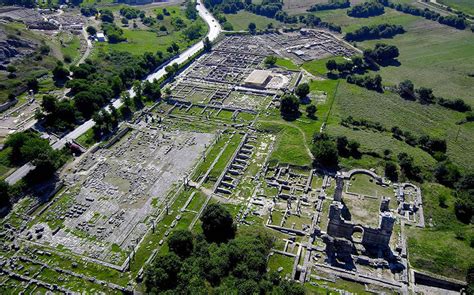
(241, 20)
(431, 55)
(440, 60)
(445, 247)
(150, 39)
(466, 6)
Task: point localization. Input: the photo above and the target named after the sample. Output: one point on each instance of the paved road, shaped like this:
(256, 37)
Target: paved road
(214, 31)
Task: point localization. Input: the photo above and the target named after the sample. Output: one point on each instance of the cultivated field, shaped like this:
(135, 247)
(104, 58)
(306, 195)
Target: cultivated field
(466, 6)
(441, 60)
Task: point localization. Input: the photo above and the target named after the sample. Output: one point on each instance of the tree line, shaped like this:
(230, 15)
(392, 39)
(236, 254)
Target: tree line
(434, 146)
(458, 22)
(331, 4)
(374, 32)
(268, 8)
(94, 83)
(217, 261)
(366, 9)
(424, 95)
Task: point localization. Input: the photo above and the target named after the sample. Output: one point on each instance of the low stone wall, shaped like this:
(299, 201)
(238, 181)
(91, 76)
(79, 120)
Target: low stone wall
(438, 282)
(6, 105)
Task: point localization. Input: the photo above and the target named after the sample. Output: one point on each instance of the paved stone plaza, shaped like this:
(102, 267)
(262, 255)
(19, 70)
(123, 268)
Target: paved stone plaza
(115, 192)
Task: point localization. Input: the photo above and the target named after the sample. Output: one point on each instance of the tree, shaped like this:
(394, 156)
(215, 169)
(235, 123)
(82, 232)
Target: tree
(406, 89)
(217, 224)
(193, 32)
(49, 103)
(181, 243)
(408, 167)
(425, 95)
(302, 90)
(270, 61)
(4, 194)
(86, 103)
(289, 106)
(324, 150)
(470, 271)
(151, 90)
(252, 28)
(60, 73)
(107, 16)
(207, 44)
(331, 65)
(45, 49)
(311, 111)
(91, 30)
(162, 274)
(447, 173)
(464, 206)
(33, 84)
(46, 164)
(391, 171)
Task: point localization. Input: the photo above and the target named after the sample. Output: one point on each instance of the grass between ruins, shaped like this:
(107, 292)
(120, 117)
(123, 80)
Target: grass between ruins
(445, 248)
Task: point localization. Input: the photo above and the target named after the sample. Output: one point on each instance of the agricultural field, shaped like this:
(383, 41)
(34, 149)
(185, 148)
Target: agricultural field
(447, 47)
(432, 61)
(466, 6)
(300, 6)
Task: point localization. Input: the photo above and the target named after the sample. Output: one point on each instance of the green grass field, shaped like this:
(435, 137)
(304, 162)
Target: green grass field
(241, 20)
(466, 6)
(70, 46)
(150, 39)
(286, 63)
(444, 248)
(390, 110)
(441, 60)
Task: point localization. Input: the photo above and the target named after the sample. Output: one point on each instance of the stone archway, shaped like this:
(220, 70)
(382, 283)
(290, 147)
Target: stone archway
(357, 234)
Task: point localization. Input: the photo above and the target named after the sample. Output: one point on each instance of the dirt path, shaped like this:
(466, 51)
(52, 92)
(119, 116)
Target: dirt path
(88, 48)
(308, 150)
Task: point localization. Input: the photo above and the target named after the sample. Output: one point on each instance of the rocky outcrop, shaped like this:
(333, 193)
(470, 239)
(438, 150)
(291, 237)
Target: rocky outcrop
(13, 47)
(43, 25)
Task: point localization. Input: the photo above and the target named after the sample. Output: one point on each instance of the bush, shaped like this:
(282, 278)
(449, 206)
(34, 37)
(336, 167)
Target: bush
(311, 111)
(91, 30)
